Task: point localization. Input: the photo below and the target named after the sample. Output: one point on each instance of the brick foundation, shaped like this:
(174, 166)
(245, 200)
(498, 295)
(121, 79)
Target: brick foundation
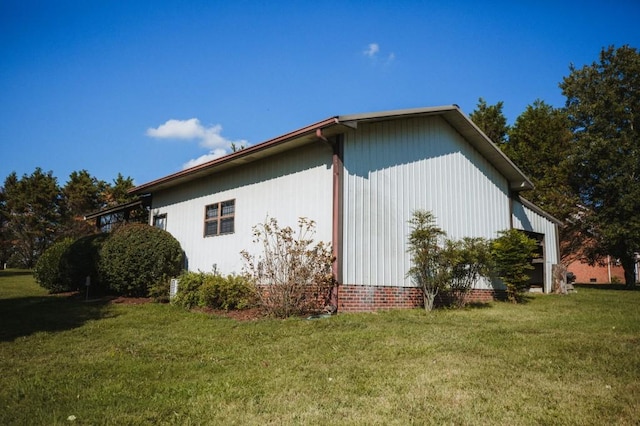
(359, 298)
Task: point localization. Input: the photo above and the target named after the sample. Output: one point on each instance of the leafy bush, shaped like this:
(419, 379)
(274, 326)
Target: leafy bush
(159, 291)
(230, 292)
(81, 261)
(136, 257)
(466, 261)
(448, 268)
(292, 275)
(188, 295)
(512, 253)
(50, 271)
(213, 290)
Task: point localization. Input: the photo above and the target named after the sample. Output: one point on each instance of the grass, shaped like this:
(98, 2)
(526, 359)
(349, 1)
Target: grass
(554, 360)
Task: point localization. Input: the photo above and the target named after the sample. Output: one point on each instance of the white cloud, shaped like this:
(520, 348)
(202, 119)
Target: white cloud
(372, 50)
(178, 129)
(191, 129)
(216, 153)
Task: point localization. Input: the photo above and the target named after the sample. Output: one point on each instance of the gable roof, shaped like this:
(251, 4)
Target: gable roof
(339, 124)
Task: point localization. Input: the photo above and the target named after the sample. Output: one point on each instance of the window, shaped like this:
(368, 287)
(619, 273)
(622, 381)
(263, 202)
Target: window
(160, 221)
(219, 218)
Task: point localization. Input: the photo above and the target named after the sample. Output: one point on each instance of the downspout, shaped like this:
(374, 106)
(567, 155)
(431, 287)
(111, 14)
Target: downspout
(511, 212)
(337, 167)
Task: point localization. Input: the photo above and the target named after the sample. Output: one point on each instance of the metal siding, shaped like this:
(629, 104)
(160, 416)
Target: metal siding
(392, 168)
(528, 220)
(288, 186)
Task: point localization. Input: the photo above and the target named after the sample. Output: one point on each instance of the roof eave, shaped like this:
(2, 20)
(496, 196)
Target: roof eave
(451, 113)
(241, 156)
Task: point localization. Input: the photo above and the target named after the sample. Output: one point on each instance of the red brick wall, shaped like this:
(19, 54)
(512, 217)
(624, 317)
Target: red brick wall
(359, 298)
(595, 274)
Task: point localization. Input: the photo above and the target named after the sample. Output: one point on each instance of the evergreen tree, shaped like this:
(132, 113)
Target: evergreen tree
(491, 120)
(118, 193)
(83, 194)
(33, 205)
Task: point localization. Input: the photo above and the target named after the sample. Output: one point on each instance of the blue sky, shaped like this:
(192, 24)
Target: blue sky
(144, 88)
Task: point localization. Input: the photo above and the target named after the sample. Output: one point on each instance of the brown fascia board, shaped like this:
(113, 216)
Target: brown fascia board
(451, 113)
(242, 156)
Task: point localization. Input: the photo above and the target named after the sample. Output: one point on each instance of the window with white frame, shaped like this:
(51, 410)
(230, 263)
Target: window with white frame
(219, 218)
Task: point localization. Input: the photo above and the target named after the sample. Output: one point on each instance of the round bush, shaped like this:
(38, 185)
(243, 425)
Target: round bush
(50, 271)
(81, 261)
(136, 256)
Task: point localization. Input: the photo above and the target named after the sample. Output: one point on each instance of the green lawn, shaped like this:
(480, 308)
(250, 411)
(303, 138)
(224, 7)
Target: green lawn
(554, 360)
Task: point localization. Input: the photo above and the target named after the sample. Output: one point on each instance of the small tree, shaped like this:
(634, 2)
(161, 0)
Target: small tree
(293, 275)
(427, 270)
(466, 260)
(512, 253)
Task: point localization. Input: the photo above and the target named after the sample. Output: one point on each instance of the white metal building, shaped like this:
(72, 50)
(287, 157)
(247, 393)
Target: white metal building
(360, 177)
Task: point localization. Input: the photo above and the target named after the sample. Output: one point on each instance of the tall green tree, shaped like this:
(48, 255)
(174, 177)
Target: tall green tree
(491, 120)
(541, 145)
(83, 194)
(118, 192)
(603, 102)
(33, 205)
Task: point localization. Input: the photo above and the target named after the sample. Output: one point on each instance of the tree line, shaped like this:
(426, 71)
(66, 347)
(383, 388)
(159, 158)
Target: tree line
(583, 158)
(35, 211)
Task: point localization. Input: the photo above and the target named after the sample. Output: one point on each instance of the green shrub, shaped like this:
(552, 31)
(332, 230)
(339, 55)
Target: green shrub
(160, 290)
(188, 295)
(212, 290)
(136, 257)
(50, 271)
(512, 253)
(466, 261)
(230, 292)
(81, 261)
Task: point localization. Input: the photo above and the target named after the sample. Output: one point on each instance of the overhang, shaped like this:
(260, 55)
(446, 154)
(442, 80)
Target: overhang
(340, 124)
(131, 205)
(297, 138)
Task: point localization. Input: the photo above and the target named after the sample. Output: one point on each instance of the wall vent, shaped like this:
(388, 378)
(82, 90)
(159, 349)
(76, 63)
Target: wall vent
(173, 287)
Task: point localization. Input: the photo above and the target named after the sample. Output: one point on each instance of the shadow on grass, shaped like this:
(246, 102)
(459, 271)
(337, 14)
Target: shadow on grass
(606, 286)
(24, 316)
(14, 272)
(478, 305)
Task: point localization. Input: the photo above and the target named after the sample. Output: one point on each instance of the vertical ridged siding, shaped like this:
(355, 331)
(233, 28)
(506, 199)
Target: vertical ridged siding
(528, 220)
(393, 168)
(286, 186)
